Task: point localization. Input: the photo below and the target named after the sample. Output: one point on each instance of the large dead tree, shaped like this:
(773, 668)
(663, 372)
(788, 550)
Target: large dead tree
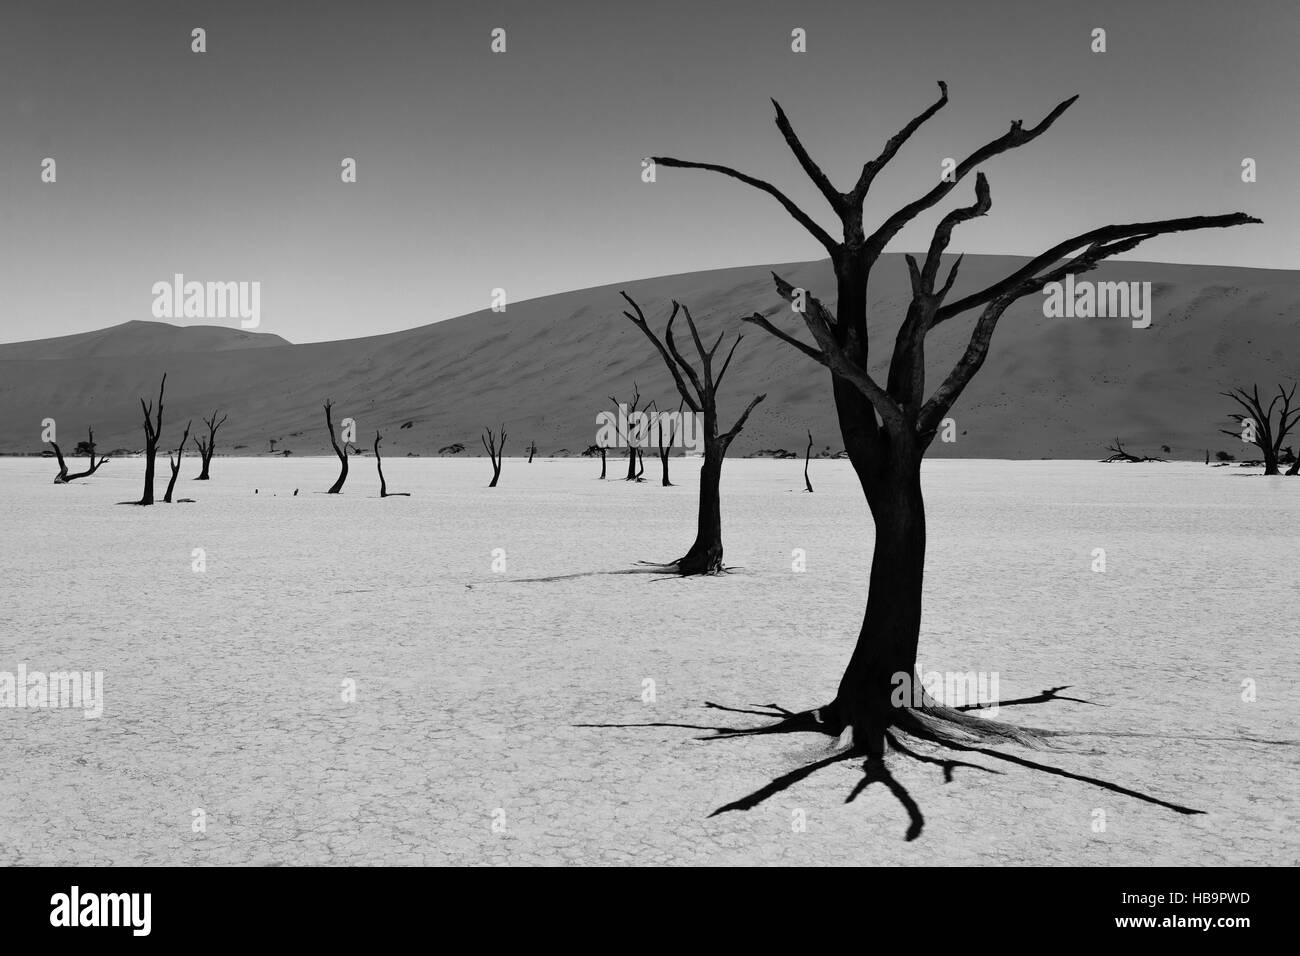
(495, 447)
(1261, 429)
(383, 485)
(888, 427)
(176, 462)
(699, 391)
(206, 448)
(152, 431)
(63, 477)
(341, 452)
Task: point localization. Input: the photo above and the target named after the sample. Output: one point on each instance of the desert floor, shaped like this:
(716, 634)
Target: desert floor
(224, 689)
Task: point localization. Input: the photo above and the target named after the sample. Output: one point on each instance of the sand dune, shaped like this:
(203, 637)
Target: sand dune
(1056, 388)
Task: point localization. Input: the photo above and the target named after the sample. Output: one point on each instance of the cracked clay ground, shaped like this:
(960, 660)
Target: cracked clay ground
(223, 689)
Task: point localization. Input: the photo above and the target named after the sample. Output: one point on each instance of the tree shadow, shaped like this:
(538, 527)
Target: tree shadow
(1042, 697)
(874, 768)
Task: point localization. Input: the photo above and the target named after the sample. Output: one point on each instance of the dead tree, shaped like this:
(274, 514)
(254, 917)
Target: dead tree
(341, 452)
(640, 466)
(807, 455)
(1119, 454)
(532, 450)
(625, 434)
(602, 462)
(888, 427)
(206, 447)
(152, 431)
(699, 391)
(1264, 433)
(496, 447)
(176, 463)
(666, 449)
(62, 478)
(383, 485)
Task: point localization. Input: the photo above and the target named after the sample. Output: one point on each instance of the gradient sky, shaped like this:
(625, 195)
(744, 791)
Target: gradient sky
(522, 170)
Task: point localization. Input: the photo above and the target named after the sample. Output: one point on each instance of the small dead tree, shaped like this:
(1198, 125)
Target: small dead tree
(63, 477)
(496, 447)
(341, 452)
(383, 485)
(666, 449)
(1257, 425)
(700, 396)
(602, 461)
(625, 433)
(1119, 454)
(176, 463)
(206, 447)
(532, 450)
(807, 455)
(152, 431)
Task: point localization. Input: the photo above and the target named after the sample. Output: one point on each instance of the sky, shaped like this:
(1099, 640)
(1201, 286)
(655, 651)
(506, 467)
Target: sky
(521, 170)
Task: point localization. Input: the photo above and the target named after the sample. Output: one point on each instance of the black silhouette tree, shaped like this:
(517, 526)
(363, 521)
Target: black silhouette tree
(699, 391)
(152, 431)
(807, 455)
(495, 447)
(665, 449)
(1267, 435)
(206, 447)
(625, 433)
(379, 465)
(176, 462)
(341, 452)
(888, 428)
(63, 477)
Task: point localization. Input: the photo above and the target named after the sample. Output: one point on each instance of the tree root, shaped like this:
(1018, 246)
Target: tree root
(932, 723)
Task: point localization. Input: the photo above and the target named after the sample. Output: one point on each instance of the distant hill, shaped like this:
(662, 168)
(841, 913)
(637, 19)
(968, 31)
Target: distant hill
(141, 338)
(1058, 388)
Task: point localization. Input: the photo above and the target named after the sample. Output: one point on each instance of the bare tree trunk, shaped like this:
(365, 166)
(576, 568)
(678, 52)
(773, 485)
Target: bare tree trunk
(666, 449)
(705, 554)
(206, 448)
(176, 465)
(532, 450)
(807, 455)
(341, 452)
(496, 448)
(152, 431)
(891, 625)
(602, 462)
(383, 485)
